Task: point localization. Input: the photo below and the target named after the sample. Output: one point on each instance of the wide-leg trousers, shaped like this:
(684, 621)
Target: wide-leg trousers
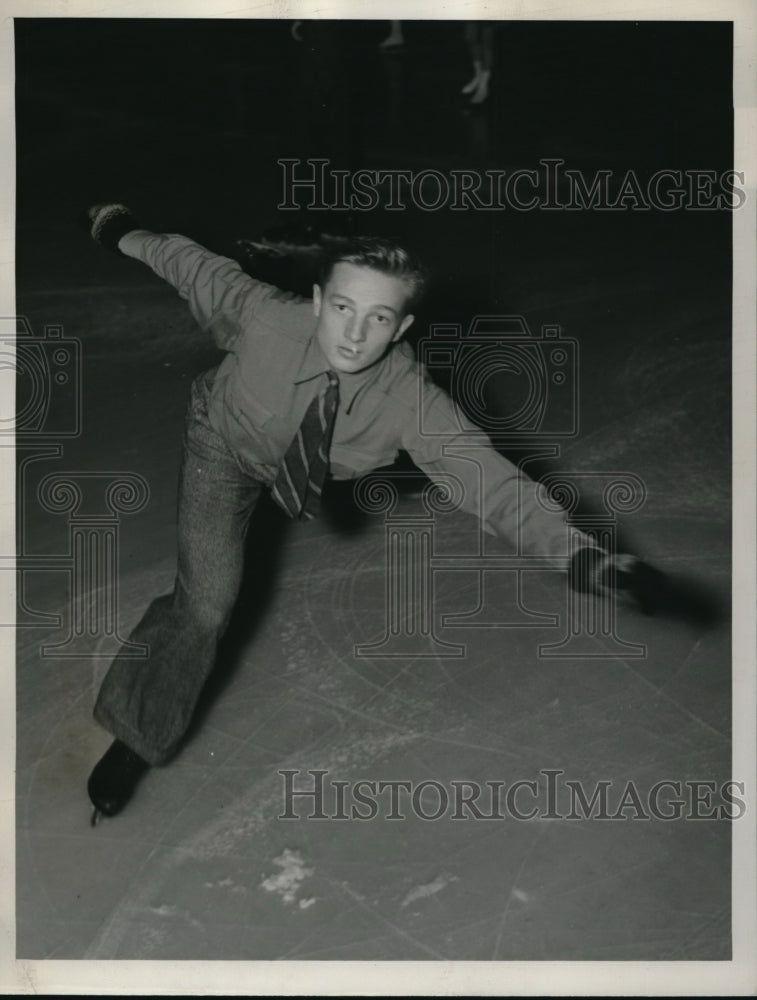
(148, 703)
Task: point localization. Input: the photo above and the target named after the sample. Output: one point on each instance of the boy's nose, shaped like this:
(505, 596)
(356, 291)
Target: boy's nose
(356, 331)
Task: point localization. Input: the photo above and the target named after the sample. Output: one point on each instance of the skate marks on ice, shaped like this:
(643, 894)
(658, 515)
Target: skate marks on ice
(404, 890)
(230, 867)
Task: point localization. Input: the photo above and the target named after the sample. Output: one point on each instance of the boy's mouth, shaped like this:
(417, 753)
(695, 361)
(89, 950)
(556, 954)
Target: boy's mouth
(348, 352)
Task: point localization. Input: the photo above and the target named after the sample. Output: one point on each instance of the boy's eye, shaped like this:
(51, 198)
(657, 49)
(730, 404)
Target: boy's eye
(382, 319)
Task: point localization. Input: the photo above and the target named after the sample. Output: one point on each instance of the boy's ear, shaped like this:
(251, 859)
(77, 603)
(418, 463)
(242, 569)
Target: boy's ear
(404, 325)
(317, 300)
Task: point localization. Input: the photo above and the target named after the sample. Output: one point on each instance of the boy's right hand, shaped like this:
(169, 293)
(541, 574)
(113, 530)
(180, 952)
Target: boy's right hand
(107, 223)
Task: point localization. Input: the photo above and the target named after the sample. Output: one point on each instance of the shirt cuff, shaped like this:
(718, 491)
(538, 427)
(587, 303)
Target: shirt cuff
(130, 243)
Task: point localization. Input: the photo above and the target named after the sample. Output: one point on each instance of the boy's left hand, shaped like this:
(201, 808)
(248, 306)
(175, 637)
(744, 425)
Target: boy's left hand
(652, 591)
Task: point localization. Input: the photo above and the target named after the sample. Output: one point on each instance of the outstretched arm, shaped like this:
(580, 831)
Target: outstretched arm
(218, 291)
(509, 505)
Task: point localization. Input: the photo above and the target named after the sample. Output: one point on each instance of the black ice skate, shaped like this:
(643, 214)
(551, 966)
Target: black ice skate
(114, 779)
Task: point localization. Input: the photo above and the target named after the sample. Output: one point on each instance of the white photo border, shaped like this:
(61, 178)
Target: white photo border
(736, 977)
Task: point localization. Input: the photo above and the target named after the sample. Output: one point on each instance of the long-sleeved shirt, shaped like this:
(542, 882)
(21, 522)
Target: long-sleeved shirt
(275, 366)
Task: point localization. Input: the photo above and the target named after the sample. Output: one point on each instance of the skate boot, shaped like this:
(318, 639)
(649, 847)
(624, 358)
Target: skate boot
(114, 779)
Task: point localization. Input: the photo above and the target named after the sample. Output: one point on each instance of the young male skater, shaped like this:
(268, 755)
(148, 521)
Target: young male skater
(306, 388)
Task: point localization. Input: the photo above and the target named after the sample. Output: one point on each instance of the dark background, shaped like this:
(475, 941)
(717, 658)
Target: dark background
(183, 120)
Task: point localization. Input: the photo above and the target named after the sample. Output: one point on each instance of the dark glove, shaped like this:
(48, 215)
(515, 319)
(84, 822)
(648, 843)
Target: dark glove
(594, 571)
(108, 223)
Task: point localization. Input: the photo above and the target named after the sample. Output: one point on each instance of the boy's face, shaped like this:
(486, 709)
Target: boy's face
(360, 313)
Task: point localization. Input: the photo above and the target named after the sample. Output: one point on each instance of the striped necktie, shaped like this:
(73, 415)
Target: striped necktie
(303, 469)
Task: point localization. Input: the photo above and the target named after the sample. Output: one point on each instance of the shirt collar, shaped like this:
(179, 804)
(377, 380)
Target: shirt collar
(314, 363)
